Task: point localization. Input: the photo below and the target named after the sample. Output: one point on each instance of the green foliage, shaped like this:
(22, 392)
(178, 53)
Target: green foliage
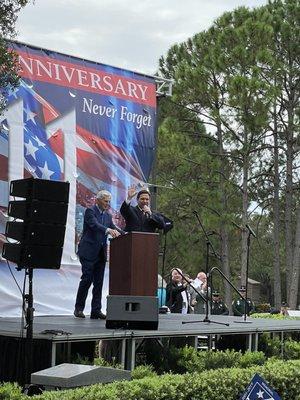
(271, 347)
(8, 15)
(248, 359)
(272, 316)
(78, 359)
(291, 350)
(101, 362)
(262, 308)
(228, 81)
(225, 384)
(188, 359)
(10, 391)
(210, 360)
(143, 371)
(8, 62)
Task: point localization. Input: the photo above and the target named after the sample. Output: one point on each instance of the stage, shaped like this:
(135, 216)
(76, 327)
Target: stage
(60, 332)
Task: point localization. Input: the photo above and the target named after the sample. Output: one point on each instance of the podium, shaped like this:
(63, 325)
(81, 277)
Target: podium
(132, 302)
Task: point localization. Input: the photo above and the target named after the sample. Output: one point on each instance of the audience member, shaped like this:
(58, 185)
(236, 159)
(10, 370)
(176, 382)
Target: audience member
(177, 296)
(218, 307)
(200, 300)
(238, 305)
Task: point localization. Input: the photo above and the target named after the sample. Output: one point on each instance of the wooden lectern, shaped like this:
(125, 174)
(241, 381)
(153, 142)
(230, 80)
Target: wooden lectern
(132, 301)
(133, 264)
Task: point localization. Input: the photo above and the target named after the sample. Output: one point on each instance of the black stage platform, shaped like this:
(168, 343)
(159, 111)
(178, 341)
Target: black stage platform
(57, 330)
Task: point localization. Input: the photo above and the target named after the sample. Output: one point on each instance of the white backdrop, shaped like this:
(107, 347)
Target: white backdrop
(54, 291)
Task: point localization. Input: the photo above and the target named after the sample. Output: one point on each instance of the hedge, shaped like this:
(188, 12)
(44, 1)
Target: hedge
(272, 316)
(221, 384)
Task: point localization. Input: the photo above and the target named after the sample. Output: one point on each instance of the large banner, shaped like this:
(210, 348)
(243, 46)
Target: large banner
(78, 121)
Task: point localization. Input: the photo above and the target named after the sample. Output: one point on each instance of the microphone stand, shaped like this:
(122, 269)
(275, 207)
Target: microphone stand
(250, 232)
(163, 271)
(207, 272)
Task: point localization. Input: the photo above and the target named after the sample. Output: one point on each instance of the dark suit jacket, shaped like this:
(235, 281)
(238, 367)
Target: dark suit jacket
(174, 299)
(137, 221)
(93, 238)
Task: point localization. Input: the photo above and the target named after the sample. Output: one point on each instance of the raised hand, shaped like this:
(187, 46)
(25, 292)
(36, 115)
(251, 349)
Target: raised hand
(132, 191)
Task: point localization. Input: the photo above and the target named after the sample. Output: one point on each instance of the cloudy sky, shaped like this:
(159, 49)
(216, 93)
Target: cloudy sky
(130, 34)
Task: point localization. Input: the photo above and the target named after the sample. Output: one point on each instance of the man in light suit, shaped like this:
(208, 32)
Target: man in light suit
(92, 254)
(140, 218)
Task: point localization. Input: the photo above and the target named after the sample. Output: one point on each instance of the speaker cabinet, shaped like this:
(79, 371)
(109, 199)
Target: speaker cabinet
(41, 232)
(40, 189)
(39, 211)
(33, 256)
(36, 233)
(132, 312)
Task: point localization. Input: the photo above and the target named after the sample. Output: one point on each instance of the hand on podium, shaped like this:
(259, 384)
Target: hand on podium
(113, 232)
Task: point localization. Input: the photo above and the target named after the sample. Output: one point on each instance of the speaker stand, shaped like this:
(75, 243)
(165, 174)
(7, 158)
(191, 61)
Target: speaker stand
(29, 322)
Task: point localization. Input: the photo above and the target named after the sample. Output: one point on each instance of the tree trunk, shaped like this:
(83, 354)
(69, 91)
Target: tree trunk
(289, 203)
(293, 294)
(244, 215)
(224, 228)
(276, 232)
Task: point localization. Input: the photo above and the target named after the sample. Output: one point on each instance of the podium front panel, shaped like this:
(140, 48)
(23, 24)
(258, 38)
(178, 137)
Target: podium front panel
(133, 264)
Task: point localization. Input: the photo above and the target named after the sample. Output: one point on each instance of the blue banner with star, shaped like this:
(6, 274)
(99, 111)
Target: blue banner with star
(258, 389)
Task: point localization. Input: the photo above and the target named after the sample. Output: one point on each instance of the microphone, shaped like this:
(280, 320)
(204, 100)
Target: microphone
(146, 212)
(251, 230)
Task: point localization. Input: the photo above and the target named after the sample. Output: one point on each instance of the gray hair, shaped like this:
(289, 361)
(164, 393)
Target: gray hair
(103, 193)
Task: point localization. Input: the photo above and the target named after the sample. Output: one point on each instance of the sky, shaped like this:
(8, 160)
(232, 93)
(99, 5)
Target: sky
(130, 34)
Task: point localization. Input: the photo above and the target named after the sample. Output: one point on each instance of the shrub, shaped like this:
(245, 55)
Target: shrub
(291, 350)
(249, 359)
(143, 371)
(103, 363)
(222, 384)
(263, 308)
(10, 391)
(222, 359)
(271, 347)
(190, 360)
(271, 316)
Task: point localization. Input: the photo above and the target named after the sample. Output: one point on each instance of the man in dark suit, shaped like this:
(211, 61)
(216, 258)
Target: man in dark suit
(92, 254)
(140, 218)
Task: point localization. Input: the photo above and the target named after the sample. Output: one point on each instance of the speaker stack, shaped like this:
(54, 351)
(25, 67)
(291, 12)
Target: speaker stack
(40, 235)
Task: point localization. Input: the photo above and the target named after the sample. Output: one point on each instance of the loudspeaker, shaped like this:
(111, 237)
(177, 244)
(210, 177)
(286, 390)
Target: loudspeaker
(39, 211)
(132, 312)
(40, 189)
(33, 256)
(42, 231)
(36, 233)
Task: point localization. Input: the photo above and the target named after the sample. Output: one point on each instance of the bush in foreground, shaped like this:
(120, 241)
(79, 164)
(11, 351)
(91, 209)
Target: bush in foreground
(222, 384)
